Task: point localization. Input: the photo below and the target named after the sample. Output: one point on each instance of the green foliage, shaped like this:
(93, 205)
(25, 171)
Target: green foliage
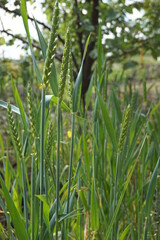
(101, 183)
(16, 218)
(129, 36)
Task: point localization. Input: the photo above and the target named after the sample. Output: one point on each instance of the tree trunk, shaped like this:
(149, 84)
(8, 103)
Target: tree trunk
(88, 60)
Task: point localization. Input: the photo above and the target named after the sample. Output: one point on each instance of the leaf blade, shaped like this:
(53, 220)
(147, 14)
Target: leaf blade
(25, 21)
(19, 225)
(77, 88)
(107, 121)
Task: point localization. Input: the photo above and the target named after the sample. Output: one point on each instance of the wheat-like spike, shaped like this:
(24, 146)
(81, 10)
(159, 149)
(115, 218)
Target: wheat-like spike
(34, 151)
(34, 154)
(124, 129)
(32, 127)
(35, 163)
(14, 131)
(70, 80)
(49, 145)
(30, 111)
(51, 46)
(144, 90)
(64, 66)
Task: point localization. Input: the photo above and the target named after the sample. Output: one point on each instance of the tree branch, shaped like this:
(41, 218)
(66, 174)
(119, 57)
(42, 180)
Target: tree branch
(19, 38)
(57, 56)
(17, 13)
(130, 51)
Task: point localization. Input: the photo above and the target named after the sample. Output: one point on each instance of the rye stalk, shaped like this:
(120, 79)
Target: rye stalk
(63, 75)
(70, 163)
(57, 165)
(70, 92)
(42, 157)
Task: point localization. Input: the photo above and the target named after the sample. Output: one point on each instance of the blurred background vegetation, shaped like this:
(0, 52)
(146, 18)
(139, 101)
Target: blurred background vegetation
(130, 38)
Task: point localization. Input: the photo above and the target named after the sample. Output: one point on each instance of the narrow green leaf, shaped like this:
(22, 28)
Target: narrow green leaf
(2, 232)
(20, 105)
(125, 232)
(94, 208)
(53, 75)
(154, 110)
(7, 174)
(118, 205)
(151, 190)
(89, 92)
(77, 88)
(24, 193)
(54, 99)
(45, 209)
(1, 145)
(123, 192)
(25, 21)
(72, 214)
(83, 199)
(14, 108)
(18, 224)
(107, 121)
(9, 229)
(41, 40)
(86, 156)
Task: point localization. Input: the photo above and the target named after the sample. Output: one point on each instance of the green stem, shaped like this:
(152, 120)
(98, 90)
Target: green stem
(57, 165)
(70, 163)
(32, 196)
(115, 196)
(24, 194)
(42, 158)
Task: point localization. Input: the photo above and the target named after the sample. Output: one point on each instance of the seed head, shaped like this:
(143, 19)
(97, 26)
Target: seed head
(14, 131)
(49, 145)
(70, 80)
(30, 112)
(64, 66)
(51, 46)
(125, 124)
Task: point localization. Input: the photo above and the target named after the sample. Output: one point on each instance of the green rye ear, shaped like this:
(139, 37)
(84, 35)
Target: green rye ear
(70, 80)
(124, 129)
(51, 46)
(64, 66)
(32, 125)
(30, 112)
(49, 145)
(14, 131)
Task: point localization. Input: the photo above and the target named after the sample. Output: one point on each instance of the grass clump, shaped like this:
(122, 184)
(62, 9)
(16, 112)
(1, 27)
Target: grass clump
(98, 184)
